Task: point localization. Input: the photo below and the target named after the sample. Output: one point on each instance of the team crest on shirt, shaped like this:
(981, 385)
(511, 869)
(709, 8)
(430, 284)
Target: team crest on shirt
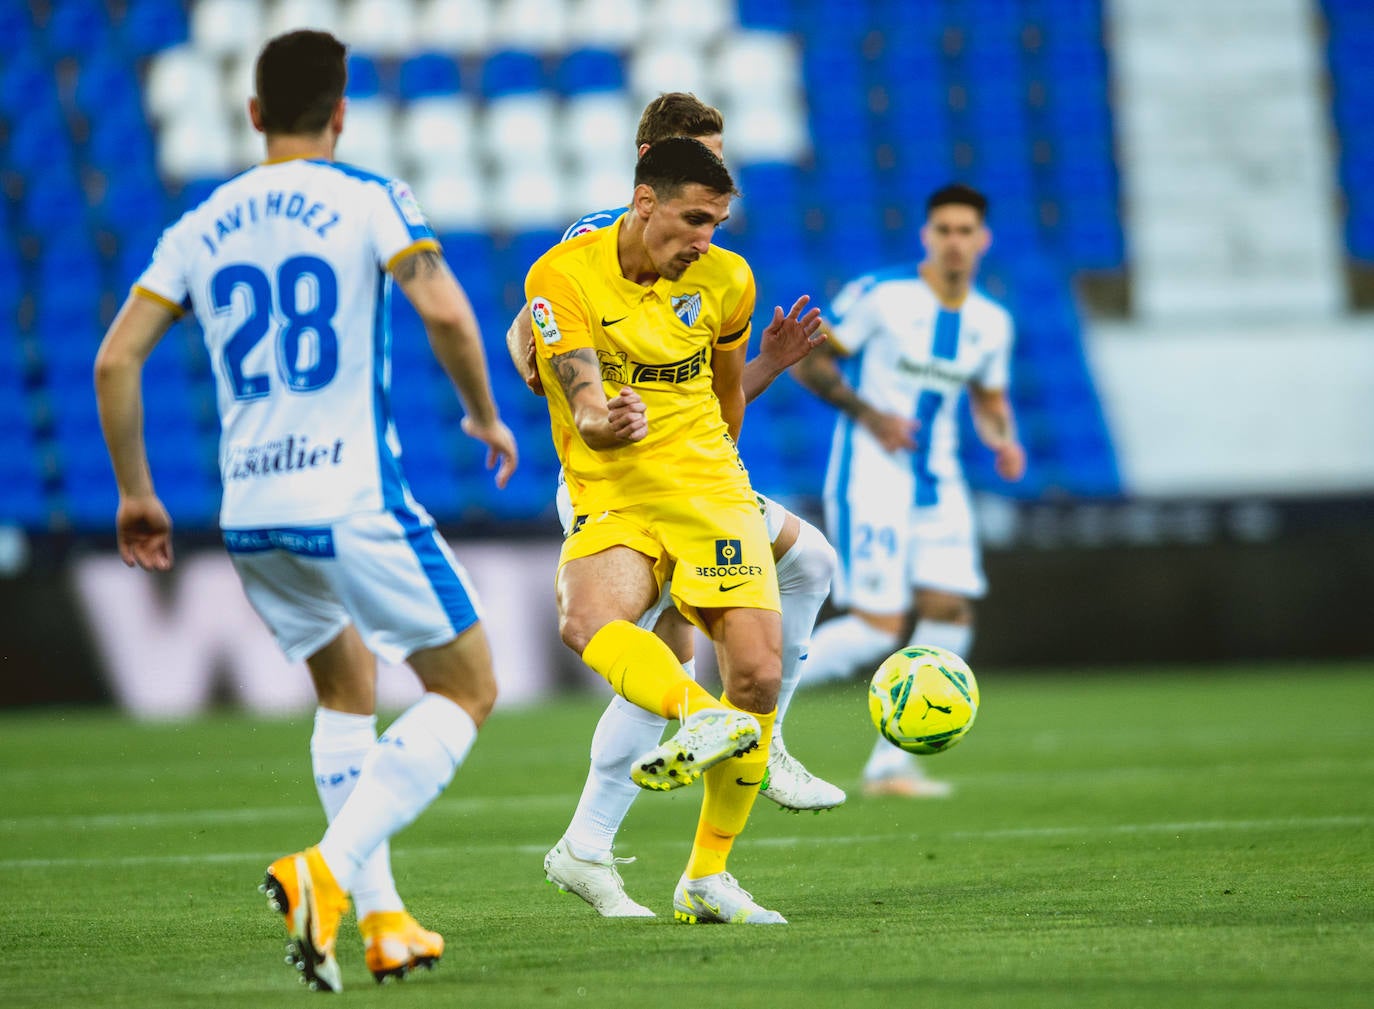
(581, 229)
(542, 314)
(407, 204)
(688, 307)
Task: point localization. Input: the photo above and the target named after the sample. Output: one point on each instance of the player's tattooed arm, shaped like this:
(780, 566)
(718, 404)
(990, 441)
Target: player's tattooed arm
(602, 424)
(421, 264)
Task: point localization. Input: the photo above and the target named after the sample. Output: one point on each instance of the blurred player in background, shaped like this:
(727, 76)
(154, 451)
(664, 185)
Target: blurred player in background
(289, 268)
(641, 335)
(896, 502)
(583, 861)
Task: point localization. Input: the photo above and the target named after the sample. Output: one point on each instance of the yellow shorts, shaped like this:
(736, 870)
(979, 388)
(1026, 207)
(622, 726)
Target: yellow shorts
(716, 551)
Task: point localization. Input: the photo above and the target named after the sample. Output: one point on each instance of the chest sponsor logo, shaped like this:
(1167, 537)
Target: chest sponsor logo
(932, 369)
(293, 454)
(674, 371)
(542, 314)
(687, 307)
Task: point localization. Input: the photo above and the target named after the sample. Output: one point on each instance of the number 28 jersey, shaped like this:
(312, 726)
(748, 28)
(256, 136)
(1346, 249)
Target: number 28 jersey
(287, 270)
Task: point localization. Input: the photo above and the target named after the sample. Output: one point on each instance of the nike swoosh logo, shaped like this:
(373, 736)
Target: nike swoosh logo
(748, 784)
(731, 588)
(611, 322)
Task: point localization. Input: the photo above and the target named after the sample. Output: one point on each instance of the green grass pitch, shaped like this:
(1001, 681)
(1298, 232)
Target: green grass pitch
(1178, 838)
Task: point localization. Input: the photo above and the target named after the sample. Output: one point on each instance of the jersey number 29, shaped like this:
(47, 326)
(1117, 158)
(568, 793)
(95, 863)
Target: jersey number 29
(307, 347)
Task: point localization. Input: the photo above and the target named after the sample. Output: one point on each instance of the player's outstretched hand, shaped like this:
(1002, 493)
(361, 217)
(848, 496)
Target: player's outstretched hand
(893, 431)
(1010, 461)
(143, 530)
(789, 338)
(501, 447)
(625, 415)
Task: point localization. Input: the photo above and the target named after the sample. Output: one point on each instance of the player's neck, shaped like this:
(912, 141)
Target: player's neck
(635, 264)
(293, 146)
(950, 290)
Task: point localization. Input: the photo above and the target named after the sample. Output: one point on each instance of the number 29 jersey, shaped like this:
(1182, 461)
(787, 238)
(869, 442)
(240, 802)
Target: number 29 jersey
(287, 270)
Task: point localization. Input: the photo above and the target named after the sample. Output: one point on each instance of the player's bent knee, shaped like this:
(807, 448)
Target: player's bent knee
(813, 565)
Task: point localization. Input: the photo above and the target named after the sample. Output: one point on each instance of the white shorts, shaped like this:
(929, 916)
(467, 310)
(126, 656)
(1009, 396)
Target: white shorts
(887, 547)
(774, 515)
(389, 573)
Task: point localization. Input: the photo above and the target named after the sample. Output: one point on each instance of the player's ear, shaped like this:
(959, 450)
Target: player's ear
(255, 114)
(644, 200)
(336, 120)
(986, 242)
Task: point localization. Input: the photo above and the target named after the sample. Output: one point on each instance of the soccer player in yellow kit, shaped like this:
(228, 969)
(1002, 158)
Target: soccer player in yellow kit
(641, 330)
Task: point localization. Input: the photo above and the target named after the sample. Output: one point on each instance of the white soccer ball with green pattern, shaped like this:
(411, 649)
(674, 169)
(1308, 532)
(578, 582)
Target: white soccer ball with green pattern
(923, 699)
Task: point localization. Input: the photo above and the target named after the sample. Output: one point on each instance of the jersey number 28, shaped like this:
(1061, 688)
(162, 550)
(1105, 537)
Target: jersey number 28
(307, 347)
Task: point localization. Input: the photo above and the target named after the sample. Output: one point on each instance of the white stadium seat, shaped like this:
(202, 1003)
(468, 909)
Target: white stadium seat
(438, 133)
(181, 78)
(289, 15)
(528, 198)
(197, 147)
(670, 66)
(227, 27)
(591, 188)
(605, 24)
(367, 140)
(535, 26)
(698, 23)
(381, 27)
(758, 64)
(517, 128)
(600, 128)
(452, 197)
(454, 26)
(771, 130)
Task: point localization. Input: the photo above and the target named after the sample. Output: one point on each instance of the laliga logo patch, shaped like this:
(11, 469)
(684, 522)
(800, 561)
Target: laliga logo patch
(407, 204)
(688, 307)
(542, 313)
(582, 229)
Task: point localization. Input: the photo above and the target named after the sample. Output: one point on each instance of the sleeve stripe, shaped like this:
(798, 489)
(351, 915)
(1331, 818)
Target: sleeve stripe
(166, 303)
(732, 337)
(423, 244)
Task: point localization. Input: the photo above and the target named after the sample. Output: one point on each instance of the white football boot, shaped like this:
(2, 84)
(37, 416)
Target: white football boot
(598, 883)
(719, 898)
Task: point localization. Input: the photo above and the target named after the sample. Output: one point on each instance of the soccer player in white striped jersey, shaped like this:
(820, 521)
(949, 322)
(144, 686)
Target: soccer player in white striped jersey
(289, 269)
(896, 502)
(583, 861)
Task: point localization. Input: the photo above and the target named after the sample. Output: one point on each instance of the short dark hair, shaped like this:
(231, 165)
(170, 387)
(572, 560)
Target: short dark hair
(677, 114)
(671, 164)
(300, 77)
(959, 194)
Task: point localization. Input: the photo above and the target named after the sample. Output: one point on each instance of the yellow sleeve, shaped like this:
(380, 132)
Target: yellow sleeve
(559, 312)
(735, 326)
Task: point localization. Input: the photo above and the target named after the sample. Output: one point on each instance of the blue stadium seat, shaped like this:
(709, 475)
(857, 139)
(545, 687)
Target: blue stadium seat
(428, 75)
(40, 145)
(105, 82)
(76, 27)
(149, 26)
(364, 77)
(587, 70)
(511, 72)
(28, 86)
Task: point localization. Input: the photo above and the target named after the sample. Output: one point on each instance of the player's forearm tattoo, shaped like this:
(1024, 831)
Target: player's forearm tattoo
(829, 385)
(425, 263)
(571, 369)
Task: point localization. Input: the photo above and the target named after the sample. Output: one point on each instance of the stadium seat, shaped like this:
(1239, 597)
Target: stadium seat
(513, 127)
(538, 26)
(590, 71)
(223, 28)
(773, 129)
(192, 148)
(383, 27)
(181, 80)
(428, 75)
(670, 66)
(591, 188)
(691, 25)
(763, 66)
(288, 15)
(438, 134)
(454, 26)
(367, 139)
(605, 24)
(151, 26)
(451, 195)
(76, 27)
(364, 77)
(528, 198)
(511, 72)
(600, 133)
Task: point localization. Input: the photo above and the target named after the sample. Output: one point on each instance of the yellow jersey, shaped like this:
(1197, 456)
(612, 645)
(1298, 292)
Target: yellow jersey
(657, 340)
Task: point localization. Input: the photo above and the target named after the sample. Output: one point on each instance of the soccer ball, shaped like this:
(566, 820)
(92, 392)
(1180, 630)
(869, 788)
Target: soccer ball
(923, 699)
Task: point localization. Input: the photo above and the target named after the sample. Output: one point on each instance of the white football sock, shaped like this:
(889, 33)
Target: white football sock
(338, 746)
(844, 644)
(407, 770)
(804, 574)
(624, 731)
(886, 759)
(956, 638)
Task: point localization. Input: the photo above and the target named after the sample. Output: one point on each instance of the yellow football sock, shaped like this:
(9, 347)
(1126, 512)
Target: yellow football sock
(731, 788)
(643, 670)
